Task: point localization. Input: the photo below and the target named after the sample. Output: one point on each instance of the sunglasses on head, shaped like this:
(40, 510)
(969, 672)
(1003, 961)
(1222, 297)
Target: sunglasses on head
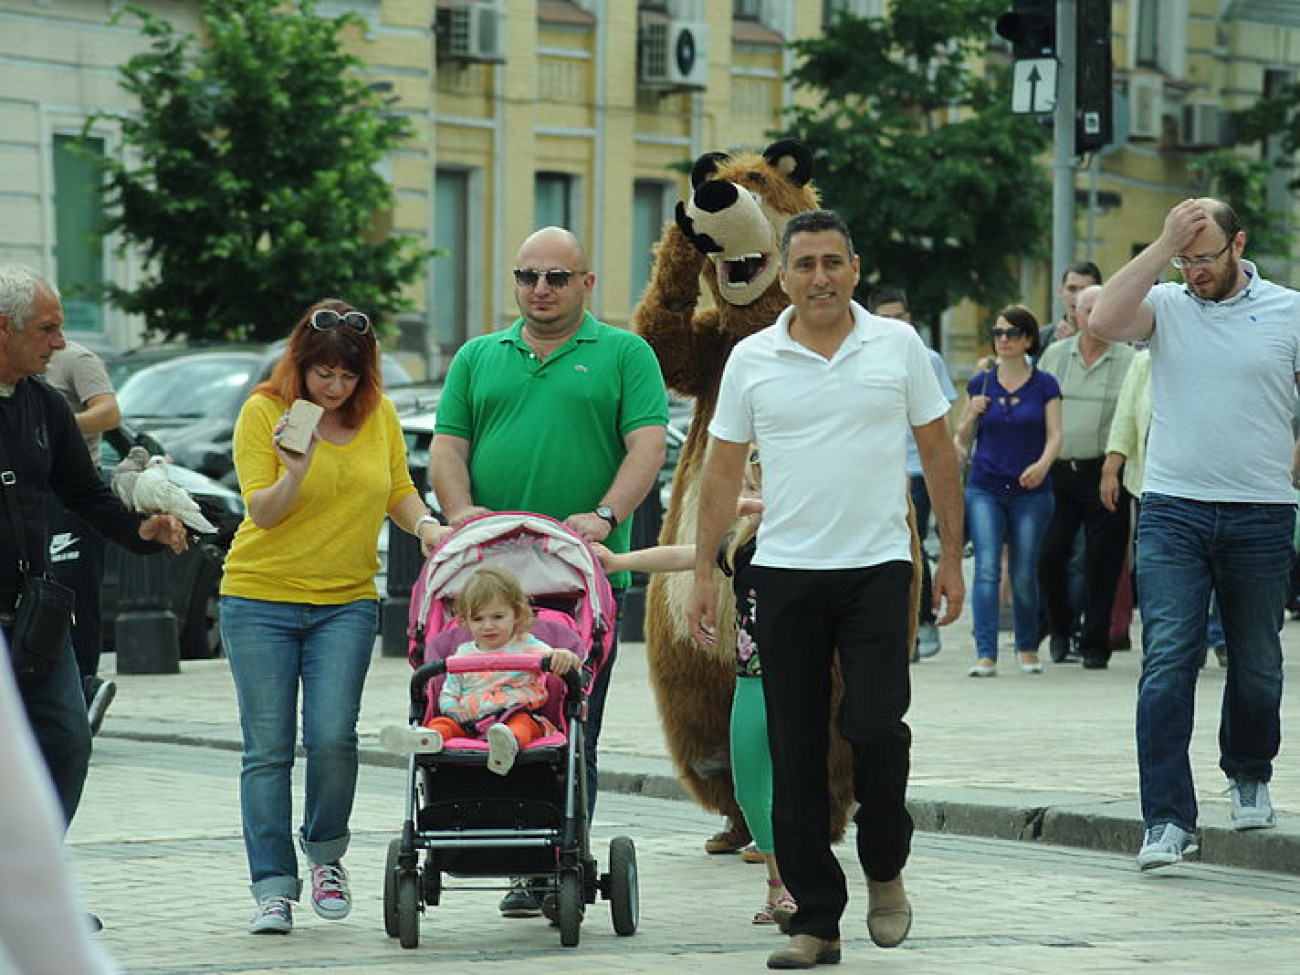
(1014, 332)
(324, 319)
(557, 278)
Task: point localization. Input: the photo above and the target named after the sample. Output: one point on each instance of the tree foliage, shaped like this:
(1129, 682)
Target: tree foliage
(249, 184)
(1243, 184)
(919, 151)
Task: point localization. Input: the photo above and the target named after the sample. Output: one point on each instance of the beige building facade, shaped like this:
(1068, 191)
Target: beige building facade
(587, 113)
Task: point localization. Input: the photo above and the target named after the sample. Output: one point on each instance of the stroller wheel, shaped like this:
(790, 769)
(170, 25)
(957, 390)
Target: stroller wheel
(622, 890)
(570, 907)
(408, 909)
(390, 888)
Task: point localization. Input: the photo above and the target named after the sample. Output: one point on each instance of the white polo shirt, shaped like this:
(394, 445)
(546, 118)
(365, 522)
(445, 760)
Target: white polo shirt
(830, 437)
(1223, 392)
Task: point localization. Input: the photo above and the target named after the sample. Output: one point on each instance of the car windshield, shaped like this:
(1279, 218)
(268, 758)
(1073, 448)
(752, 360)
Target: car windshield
(187, 388)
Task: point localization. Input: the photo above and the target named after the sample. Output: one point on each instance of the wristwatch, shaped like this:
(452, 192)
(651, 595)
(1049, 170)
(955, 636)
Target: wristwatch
(606, 512)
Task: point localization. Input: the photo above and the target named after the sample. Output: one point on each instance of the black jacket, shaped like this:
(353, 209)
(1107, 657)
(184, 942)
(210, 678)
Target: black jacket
(44, 448)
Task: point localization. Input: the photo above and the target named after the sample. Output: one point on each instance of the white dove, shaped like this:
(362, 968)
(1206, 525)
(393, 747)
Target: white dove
(152, 491)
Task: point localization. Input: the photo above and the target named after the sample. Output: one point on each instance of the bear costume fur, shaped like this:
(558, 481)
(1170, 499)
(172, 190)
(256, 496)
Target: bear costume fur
(729, 234)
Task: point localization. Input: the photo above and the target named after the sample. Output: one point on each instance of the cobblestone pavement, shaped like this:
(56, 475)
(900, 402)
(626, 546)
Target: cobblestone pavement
(158, 855)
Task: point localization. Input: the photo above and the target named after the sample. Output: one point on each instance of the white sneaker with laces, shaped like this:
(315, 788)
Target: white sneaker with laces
(503, 746)
(274, 915)
(1251, 806)
(409, 740)
(1165, 844)
(330, 896)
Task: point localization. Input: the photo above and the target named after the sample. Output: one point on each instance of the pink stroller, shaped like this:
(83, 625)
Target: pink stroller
(532, 823)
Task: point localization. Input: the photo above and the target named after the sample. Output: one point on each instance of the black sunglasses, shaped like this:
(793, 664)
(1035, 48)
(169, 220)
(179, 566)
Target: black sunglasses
(1014, 332)
(557, 278)
(324, 319)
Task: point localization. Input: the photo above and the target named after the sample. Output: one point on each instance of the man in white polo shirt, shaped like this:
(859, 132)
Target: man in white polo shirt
(827, 393)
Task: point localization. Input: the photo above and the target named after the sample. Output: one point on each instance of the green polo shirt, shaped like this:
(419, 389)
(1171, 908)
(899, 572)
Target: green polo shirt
(547, 436)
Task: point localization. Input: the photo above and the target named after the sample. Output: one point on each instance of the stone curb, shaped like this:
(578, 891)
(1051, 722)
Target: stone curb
(1060, 819)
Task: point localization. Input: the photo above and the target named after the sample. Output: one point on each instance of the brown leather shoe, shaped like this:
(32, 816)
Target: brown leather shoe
(889, 913)
(731, 840)
(805, 951)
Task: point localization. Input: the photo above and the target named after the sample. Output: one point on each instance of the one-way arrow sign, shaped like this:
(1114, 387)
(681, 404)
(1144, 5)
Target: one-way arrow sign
(1033, 86)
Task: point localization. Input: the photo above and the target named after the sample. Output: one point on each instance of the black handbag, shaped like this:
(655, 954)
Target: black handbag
(43, 613)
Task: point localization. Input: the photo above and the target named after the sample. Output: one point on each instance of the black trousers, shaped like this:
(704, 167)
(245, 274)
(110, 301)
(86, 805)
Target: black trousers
(77, 561)
(804, 618)
(1075, 487)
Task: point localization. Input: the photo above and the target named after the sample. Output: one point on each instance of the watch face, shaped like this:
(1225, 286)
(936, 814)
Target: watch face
(606, 512)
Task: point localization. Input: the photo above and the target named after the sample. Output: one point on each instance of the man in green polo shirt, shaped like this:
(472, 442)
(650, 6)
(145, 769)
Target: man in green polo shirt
(559, 414)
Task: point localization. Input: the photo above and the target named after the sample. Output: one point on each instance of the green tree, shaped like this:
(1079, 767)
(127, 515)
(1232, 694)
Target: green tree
(1242, 183)
(918, 150)
(249, 184)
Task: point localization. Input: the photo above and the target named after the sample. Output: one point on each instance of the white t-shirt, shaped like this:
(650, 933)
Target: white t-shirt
(1223, 391)
(830, 439)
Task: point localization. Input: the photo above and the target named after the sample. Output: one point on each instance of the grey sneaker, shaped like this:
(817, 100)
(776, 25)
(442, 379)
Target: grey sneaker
(105, 691)
(1165, 844)
(1251, 806)
(927, 640)
(274, 916)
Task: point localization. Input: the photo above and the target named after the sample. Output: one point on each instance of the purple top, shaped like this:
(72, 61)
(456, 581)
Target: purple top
(1012, 431)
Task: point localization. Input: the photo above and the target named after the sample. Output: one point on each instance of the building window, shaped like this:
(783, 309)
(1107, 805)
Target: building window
(78, 219)
(553, 201)
(1148, 32)
(651, 206)
(747, 9)
(451, 270)
(1159, 36)
(831, 9)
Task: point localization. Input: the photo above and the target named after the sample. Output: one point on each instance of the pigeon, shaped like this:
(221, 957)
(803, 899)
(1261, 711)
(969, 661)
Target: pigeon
(141, 482)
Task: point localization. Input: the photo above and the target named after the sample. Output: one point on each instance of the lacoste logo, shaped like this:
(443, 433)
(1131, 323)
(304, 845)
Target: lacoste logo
(581, 368)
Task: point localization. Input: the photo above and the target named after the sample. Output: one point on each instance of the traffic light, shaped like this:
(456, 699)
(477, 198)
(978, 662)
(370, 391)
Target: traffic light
(1031, 28)
(1094, 91)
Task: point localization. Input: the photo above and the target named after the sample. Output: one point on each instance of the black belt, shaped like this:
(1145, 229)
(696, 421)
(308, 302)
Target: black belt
(1086, 464)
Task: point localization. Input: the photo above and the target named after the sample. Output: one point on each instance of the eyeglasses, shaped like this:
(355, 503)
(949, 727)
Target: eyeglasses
(556, 278)
(1014, 332)
(1200, 260)
(324, 319)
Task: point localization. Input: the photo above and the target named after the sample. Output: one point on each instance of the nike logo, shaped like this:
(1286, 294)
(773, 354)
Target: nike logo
(60, 542)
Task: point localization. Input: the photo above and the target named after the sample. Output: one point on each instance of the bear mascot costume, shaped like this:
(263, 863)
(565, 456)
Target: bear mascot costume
(728, 234)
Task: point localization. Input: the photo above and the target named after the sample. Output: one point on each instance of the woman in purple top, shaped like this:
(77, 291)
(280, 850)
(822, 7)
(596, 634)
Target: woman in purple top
(1014, 419)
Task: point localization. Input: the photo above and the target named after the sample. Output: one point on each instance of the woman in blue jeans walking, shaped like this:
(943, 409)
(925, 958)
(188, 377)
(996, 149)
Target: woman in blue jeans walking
(299, 607)
(1013, 418)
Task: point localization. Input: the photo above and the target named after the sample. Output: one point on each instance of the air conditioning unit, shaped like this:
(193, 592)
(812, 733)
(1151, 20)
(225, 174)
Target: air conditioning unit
(471, 32)
(1146, 106)
(1201, 126)
(674, 54)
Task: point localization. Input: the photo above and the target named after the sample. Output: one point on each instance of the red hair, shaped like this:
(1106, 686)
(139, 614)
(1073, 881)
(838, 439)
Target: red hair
(338, 347)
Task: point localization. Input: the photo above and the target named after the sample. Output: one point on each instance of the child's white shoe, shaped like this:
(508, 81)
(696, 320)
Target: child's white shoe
(503, 746)
(407, 740)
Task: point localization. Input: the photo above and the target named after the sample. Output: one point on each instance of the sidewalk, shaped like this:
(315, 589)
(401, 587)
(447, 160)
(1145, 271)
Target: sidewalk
(1045, 758)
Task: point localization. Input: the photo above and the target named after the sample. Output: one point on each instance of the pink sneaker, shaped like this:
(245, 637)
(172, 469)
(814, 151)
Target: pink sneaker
(330, 895)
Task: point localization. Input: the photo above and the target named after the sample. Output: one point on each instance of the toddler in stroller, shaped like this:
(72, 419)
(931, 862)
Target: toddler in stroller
(500, 705)
(488, 698)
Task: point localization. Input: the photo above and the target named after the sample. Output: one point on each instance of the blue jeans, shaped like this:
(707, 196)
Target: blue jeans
(273, 648)
(1020, 521)
(1185, 550)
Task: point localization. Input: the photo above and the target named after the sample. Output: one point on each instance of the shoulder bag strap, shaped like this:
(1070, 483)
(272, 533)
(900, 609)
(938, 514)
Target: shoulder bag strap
(9, 488)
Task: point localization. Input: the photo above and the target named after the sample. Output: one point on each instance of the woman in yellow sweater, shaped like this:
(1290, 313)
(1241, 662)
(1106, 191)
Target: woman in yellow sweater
(299, 606)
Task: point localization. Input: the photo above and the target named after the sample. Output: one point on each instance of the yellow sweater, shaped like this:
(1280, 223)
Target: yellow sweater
(325, 551)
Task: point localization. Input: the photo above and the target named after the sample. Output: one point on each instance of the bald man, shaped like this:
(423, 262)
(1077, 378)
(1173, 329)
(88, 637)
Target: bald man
(1218, 508)
(559, 414)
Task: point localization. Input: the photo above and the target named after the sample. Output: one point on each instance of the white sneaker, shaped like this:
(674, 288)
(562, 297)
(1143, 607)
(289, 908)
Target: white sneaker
(274, 915)
(409, 740)
(984, 667)
(1251, 806)
(1165, 844)
(503, 746)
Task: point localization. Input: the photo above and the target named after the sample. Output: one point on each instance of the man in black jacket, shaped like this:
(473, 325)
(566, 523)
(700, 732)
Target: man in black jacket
(44, 455)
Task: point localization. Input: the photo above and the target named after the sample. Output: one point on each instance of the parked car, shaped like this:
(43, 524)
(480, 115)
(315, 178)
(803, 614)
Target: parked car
(195, 578)
(190, 396)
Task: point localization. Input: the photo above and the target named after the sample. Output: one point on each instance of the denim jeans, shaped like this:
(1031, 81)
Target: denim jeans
(56, 711)
(1185, 550)
(1019, 521)
(273, 649)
